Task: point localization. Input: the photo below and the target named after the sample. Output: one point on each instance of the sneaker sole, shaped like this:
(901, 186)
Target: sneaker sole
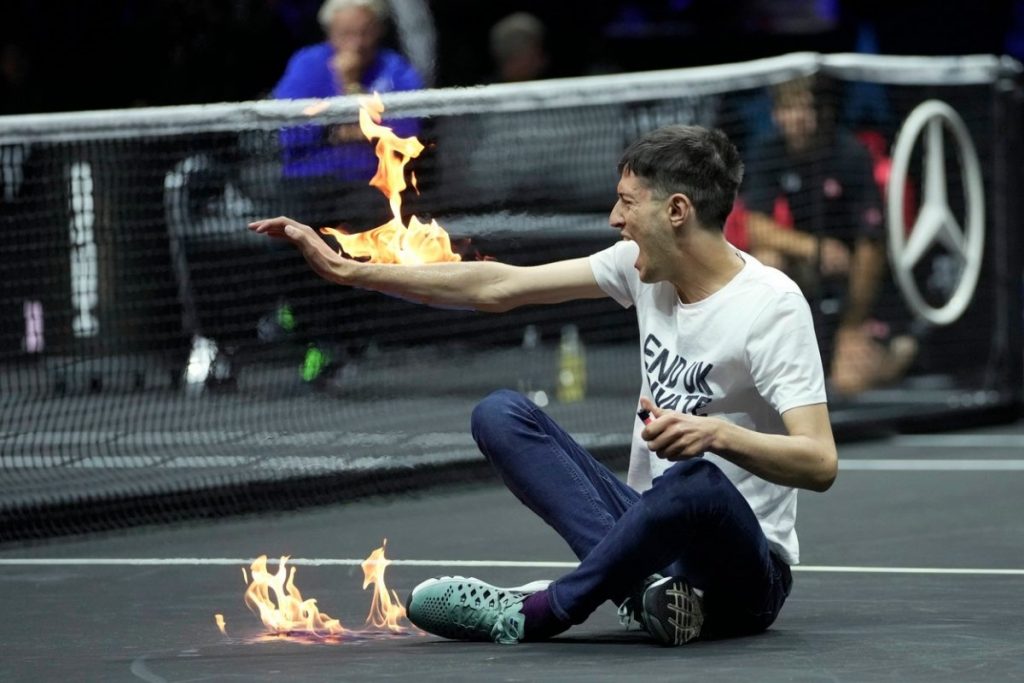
(673, 612)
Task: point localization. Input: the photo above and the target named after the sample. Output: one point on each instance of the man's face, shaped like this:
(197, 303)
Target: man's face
(641, 217)
(797, 119)
(355, 30)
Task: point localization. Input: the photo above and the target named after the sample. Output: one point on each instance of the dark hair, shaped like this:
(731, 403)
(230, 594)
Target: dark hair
(699, 162)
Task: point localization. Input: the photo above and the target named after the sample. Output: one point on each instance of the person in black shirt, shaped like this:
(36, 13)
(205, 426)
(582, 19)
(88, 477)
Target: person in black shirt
(815, 211)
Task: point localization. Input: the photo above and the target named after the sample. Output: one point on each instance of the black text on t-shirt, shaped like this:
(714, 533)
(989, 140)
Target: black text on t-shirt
(676, 384)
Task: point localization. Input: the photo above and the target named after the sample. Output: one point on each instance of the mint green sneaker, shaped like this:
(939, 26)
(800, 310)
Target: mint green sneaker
(468, 609)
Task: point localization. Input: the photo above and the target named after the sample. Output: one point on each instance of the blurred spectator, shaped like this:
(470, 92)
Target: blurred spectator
(517, 47)
(813, 209)
(351, 60)
(331, 166)
(326, 170)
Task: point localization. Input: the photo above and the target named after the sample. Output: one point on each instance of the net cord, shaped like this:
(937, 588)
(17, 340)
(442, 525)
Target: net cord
(533, 96)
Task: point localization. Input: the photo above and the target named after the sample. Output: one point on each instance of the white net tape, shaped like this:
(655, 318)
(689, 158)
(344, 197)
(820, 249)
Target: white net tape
(534, 96)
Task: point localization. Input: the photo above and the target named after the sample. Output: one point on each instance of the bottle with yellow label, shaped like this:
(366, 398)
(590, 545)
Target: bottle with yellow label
(572, 366)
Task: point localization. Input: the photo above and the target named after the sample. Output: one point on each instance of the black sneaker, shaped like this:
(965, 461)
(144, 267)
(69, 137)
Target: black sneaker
(631, 609)
(673, 611)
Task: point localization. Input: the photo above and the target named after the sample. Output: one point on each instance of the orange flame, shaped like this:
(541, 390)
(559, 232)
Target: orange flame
(286, 612)
(393, 242)
(386, 608)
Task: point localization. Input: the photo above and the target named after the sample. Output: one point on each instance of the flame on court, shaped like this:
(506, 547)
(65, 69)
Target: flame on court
(284, 612)
(385, 608)
(281, 606)
(393, 242)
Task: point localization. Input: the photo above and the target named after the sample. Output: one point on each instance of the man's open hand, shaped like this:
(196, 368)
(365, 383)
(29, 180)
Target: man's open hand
(326, 262)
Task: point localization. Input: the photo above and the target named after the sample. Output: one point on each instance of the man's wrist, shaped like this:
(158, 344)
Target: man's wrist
(720, 436)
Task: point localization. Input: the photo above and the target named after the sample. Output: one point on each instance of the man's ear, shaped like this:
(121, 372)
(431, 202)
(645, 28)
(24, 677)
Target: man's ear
(680, 209)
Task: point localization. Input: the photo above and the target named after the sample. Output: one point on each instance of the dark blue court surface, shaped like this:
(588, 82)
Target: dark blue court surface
(913, 570)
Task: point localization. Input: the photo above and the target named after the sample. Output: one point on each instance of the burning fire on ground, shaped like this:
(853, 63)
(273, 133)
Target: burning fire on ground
(286, 614)
(393, 242)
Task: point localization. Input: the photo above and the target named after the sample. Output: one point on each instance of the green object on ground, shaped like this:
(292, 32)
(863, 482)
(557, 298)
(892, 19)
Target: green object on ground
(314, 363)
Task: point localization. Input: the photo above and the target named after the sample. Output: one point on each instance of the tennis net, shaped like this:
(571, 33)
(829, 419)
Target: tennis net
(158, 361)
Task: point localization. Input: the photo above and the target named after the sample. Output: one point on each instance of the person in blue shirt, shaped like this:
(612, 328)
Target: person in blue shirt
(350, 61)
(326, 170)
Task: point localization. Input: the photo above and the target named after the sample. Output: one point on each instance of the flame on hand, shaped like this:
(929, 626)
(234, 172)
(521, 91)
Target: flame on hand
(393, 242)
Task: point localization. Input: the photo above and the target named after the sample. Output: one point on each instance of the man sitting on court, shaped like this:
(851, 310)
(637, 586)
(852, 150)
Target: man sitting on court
(700, 541)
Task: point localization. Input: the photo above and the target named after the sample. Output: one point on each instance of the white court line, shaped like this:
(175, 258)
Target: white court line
(931, 465)
(331, 562)
(959, 440)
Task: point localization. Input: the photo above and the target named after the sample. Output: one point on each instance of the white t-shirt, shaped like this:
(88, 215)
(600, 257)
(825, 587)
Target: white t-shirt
(745, 354)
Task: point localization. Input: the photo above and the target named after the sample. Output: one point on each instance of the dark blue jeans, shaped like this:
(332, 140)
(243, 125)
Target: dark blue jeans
(692, 522)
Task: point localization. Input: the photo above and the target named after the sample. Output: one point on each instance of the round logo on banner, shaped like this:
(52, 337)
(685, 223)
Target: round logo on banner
(936, 224)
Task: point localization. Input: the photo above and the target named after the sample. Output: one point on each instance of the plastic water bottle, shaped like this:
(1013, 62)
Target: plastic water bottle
(530, 384)
(572, 366)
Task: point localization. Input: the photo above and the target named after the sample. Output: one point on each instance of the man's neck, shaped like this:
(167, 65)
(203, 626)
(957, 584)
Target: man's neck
(707, 263)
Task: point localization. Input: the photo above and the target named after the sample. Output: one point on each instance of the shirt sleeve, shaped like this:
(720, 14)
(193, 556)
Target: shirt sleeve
(782, 350)
(296, 83)
(865, 197)
(407, 78)
(614, 272)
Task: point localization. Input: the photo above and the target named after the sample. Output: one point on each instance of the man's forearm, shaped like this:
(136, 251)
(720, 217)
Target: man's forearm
(480, 285)
(791, 460)
(472, 285)
(866, 272)
(765, 233)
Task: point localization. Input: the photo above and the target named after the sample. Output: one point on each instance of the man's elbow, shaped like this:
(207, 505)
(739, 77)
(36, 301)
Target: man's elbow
(495, 300)
(825, 474)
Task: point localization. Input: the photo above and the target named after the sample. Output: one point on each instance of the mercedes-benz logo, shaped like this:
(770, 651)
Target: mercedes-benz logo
(935, 223)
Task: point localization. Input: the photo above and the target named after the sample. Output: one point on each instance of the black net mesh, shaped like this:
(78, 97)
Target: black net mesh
(157, 360)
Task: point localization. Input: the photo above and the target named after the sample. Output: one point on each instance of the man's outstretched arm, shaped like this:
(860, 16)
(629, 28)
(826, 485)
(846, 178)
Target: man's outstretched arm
(480, 285)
